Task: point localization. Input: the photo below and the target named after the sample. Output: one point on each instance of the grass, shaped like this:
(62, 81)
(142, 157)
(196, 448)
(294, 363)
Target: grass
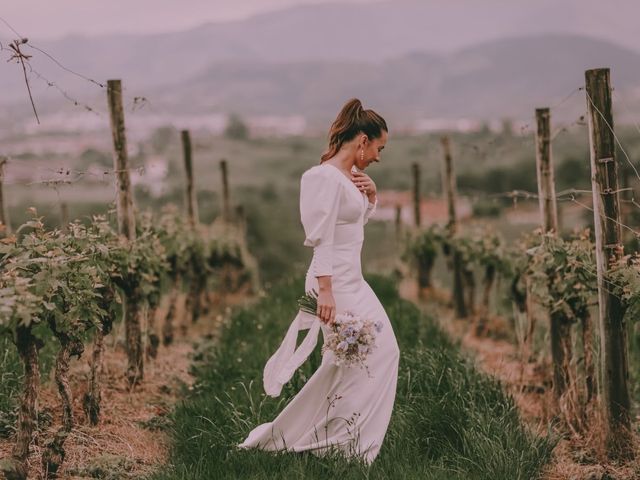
(449, 421)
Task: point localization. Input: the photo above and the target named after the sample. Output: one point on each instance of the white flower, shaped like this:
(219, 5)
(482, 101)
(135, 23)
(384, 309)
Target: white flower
(350, 329)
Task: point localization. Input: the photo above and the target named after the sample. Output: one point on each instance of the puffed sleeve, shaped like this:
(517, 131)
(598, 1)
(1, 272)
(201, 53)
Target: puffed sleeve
(319, 202)
(371, 208)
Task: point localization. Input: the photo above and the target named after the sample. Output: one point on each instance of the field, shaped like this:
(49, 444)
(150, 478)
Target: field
(461, 411)
(449, 422)
(152, 246)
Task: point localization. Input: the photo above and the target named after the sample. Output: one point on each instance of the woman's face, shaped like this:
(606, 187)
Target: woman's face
(372, 148)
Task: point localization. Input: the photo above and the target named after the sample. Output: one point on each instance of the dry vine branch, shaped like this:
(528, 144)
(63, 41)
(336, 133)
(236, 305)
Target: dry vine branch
(20, 57)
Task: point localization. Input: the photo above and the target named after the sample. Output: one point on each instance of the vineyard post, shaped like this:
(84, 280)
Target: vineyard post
(192, 303)
(415, 173)
(226, 273)
(126, 227)
(416, 193)
(398, 220)
(64, 216)
(226, 212)
(192, 203)
(241, 219)
(544, 166)
(4, 217)
(449, 190)
(560, 329)
(606, 210)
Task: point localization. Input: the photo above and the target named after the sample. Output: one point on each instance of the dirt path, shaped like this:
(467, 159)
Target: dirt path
(130, 441)
(529, 384)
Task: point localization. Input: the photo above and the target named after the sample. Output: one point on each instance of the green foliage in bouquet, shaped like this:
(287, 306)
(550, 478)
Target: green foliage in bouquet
(309, 302)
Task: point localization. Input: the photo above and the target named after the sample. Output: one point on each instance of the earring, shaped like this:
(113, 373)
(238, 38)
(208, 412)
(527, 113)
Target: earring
(362, 155)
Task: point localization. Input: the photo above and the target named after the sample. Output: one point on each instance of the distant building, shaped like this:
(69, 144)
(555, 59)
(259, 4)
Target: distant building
(432, 210)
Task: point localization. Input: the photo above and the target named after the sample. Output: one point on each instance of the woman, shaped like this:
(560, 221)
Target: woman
(338, 407)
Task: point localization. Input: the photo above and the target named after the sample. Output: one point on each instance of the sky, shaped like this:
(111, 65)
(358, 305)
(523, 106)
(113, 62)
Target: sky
(34, 17)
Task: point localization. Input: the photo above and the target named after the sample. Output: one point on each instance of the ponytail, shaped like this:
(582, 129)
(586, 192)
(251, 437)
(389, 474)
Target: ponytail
(351, 120)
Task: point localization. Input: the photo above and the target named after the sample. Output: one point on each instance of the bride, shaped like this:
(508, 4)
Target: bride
(339, 407)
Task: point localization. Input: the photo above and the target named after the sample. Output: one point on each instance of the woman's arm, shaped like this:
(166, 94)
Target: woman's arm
(326, 303)
(319, 201)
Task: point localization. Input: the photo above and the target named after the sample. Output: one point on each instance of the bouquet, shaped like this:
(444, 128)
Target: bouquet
(352, 337)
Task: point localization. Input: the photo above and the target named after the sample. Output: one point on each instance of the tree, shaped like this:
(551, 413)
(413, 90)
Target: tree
(236, 128)
(162, 138)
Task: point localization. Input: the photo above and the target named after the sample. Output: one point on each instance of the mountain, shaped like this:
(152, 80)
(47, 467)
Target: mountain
(413, 58)
(503, 78)
(368, 33)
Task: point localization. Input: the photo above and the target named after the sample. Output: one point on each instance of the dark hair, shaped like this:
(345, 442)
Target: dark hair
(352, 120)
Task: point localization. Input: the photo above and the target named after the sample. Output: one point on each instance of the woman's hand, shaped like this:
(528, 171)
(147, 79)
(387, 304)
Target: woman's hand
(364, 184)
(326, 310)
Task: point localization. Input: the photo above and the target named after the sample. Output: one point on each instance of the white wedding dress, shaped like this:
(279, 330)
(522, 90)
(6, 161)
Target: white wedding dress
(338, 407)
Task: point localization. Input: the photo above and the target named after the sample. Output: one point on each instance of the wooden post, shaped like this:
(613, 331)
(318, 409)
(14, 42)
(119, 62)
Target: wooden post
(613, 337)
(241, 219)
(124, 198)
(168, 328)
(226, 274)
(4, 216)
(544, 166)
(226, 209)
(64, 216)
(126, 227)
(449, 185)
(192, 302)
(192, 202)
(398, 220)
(449, 190)
(417, 221)
(416, 193)
(560, 328)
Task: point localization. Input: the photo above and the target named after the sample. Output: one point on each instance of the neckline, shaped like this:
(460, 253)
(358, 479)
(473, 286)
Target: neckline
(339, 170)
(343, 176)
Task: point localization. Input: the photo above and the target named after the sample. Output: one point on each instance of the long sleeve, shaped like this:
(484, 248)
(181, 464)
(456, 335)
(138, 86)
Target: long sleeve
(371, 208)
(319, 202)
